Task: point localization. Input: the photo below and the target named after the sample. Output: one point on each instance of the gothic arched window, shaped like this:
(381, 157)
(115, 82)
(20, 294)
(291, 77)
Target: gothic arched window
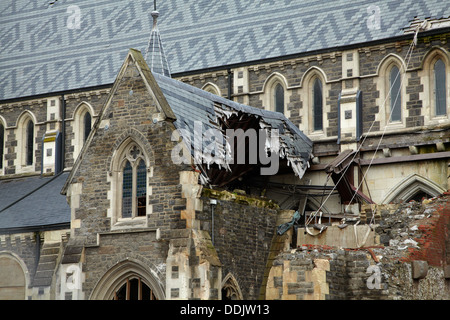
(318, 105)
(82, 126)
(13, 283)
(396, 97)
(439, 88)
(279, 98)
(134, 183)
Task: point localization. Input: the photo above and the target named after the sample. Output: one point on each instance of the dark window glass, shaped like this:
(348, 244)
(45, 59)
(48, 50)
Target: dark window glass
(2, 141)
(87, 125)
(127, 191)
(29, 143)
(134, 289)
(141, 188)
(121, 294)
(396, 98)
(439, 87)
(279, 98)
(318, 105)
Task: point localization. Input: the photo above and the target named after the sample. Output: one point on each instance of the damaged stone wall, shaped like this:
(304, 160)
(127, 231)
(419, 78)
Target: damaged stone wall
(322, 273)
(192, 267)
(243, 229)
(411, 262)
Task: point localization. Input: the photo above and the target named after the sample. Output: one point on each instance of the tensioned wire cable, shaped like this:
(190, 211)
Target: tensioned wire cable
(409, 53)
(382, 136)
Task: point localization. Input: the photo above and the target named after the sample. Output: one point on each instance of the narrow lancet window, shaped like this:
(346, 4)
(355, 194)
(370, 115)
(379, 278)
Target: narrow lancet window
(87, 125)
(318, 105)
(127, 191)
(396, 98)
(279, 98)
(29, 143)
(2, 144)
(439, 87)
(141, 188)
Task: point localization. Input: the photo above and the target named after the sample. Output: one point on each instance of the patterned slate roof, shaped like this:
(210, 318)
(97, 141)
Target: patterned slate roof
(33, 202)
(42, 50)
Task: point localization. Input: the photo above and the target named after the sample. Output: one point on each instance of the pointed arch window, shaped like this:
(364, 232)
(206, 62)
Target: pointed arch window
(134, 186)
(279, 98)
(317, 105)
(440, 88)
(29, 143)
(211, 88)
(396, 97)
(82, 126)
(230, 288)
(2, 144)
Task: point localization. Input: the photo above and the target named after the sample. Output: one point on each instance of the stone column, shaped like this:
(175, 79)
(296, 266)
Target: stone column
(191, 191)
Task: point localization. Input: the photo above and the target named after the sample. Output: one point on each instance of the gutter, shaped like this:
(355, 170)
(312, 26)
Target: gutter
(58, 226)
(57, 93)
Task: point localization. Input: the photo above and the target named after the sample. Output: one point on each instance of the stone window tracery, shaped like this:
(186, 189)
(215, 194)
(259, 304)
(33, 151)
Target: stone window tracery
(134, 187)
(134, 288)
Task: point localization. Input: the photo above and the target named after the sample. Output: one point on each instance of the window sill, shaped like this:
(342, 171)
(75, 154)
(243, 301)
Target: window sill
(127, 223)
(439, 119)
(27, 168)
(395, 125)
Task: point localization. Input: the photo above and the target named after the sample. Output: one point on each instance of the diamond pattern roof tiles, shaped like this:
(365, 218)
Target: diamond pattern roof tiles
(43, 51)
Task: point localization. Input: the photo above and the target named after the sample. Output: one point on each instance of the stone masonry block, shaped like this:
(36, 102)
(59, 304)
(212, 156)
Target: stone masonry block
(419, 269)
(447, 272)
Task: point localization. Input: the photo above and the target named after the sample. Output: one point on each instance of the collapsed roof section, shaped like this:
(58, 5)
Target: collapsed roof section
(209, 125)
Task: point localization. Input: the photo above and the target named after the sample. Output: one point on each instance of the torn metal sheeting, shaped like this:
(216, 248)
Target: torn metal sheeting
(192, 106)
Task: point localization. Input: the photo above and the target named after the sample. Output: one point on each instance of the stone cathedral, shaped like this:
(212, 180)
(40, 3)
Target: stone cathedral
(224, 150)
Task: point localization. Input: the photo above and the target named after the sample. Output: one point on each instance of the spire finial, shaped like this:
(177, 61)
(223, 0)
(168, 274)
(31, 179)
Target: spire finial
(155, 15)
